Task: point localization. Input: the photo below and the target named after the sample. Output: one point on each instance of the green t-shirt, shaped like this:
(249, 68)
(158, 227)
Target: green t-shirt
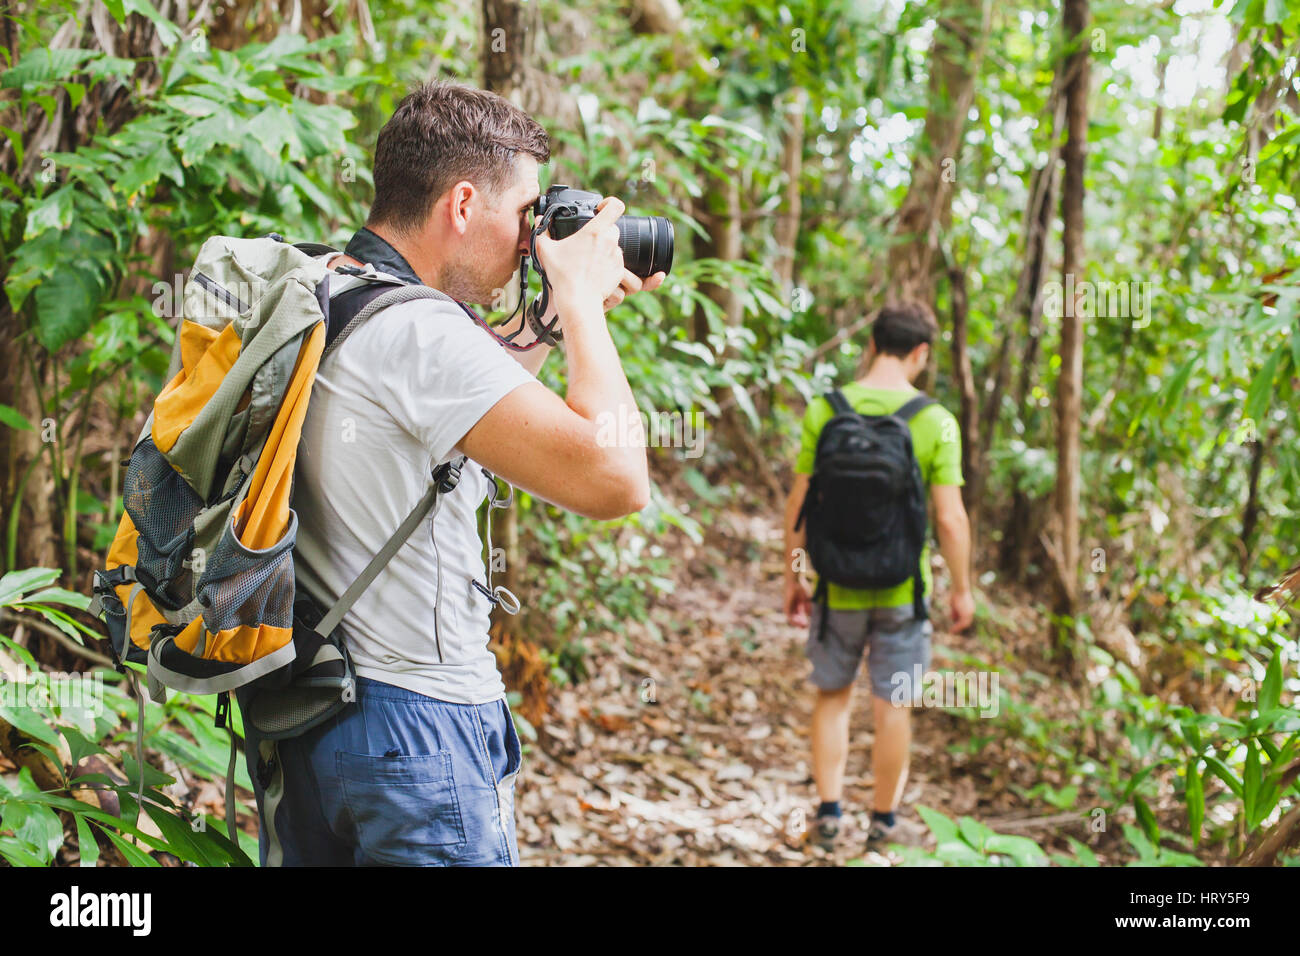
(936, 442)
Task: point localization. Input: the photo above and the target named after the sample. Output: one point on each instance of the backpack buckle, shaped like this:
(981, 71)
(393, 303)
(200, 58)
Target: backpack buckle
(447, 476)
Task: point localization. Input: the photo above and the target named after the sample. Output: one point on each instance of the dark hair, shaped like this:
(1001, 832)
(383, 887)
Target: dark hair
(440, 134)
(902, 326)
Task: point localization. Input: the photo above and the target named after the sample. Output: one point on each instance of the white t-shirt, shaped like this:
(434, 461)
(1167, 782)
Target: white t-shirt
(387, 407)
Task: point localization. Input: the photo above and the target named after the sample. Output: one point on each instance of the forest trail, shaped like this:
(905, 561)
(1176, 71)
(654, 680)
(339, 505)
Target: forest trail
(693, 748)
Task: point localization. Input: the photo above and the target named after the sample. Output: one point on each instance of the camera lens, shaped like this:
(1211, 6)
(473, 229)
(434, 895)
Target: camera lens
(647, 244)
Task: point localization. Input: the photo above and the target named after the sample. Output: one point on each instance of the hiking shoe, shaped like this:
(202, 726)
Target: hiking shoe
(826, 832)
(880, 834)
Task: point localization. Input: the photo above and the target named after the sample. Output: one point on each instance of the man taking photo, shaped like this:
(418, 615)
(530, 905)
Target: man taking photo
(420, 769)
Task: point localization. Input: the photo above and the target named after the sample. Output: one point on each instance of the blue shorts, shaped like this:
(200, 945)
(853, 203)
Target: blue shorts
(397, 779)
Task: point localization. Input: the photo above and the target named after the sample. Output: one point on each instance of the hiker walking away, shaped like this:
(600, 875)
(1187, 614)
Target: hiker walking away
(420, 768)
(857, 510)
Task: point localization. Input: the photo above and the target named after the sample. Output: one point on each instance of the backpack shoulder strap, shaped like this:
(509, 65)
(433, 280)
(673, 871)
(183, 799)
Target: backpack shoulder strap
(444, 480)
(839, 403)
(356, 305)
(313, 249)
(914, 405)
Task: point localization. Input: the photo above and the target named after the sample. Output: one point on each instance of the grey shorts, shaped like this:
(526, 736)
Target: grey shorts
(899, 649)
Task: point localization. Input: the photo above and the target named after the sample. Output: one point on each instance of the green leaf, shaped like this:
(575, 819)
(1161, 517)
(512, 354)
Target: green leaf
(1270, 692)
(34, 825)
(145, 171)
(1195, 800)
(1221, 771)
(960, 853)
(1252, 777)
(19, 853)
(1176, 390)
(86, 845)
(51, 212)
(180, 837)
(14, 419)
(43, 66)
(974, 832)
(168, 32)
(80, 746)
(1083, 852)
(1146, 818)
(746, 405)
(1021, 849)
(57, 595)
(110, 66)
(943, 828)
(134, 855)
(17, 583)
(58, 619)
(1139, 841)
(66, 305)
(1261, 389)
(30, 723)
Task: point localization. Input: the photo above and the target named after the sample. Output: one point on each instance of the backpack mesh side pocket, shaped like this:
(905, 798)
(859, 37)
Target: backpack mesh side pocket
(162, 507)
(247, 597)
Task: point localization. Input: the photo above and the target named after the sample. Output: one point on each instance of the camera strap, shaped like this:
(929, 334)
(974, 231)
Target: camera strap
(545, 334)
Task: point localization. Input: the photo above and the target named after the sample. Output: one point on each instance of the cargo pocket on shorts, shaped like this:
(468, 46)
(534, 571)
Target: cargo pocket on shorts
(405, 808)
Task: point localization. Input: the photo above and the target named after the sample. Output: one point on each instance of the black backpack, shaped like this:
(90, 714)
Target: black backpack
(865, 505)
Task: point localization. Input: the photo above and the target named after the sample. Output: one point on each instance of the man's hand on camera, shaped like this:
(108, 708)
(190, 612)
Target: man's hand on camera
(633, 283)
(630, 283)
(587, 263)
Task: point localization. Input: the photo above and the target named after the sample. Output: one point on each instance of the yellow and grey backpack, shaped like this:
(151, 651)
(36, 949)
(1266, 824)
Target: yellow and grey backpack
(199, 585)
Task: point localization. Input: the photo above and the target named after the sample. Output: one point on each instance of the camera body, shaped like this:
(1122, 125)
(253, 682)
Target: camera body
(646, 241)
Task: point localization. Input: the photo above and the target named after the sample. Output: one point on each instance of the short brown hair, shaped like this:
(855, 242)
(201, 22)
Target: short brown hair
(902, 326)
(440, 134)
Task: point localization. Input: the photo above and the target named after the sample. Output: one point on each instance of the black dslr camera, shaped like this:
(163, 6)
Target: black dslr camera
(646, 241)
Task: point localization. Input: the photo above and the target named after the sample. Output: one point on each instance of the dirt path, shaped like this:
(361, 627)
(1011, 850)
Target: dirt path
(693, 749)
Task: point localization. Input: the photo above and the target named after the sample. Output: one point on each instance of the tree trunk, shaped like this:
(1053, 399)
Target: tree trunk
(972, 467)
(1069, 385)
(1250, 516)
(1022, 532)
(718, 211)
(1028, 295)
(955, 56)
(786, 228)
(509, 34)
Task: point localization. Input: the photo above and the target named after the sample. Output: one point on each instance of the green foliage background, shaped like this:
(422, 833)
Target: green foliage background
(276, 136)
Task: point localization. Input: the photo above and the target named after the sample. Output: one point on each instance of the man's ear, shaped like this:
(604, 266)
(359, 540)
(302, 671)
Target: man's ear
(460, 209)
(921, 355)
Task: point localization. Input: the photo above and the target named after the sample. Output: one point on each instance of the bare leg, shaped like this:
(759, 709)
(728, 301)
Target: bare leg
(830, 741)
(890, 757)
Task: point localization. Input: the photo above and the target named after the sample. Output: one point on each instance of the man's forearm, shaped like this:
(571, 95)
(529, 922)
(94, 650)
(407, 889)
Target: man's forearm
(794, 540)
(598, 389)
(954, 543)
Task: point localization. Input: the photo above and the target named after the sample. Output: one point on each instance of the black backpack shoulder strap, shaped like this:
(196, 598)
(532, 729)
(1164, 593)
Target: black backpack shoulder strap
(839, 404)
(312, 249)
(349, 309)
(344, 306)
(914, 405)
